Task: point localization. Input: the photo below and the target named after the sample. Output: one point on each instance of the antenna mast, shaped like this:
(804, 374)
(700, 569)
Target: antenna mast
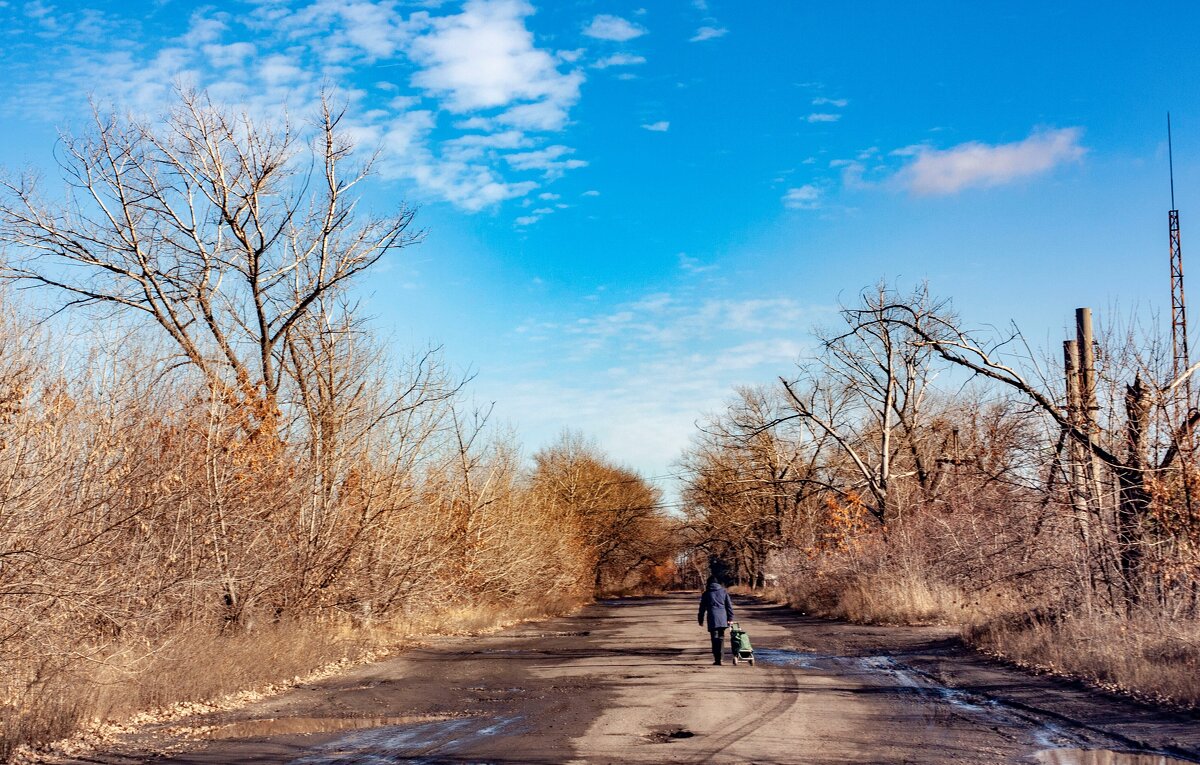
(1179, 334)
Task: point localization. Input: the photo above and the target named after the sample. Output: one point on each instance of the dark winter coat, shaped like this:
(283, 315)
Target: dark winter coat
(716, 606)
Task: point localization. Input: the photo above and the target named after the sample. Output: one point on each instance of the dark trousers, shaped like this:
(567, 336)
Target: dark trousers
(718, 640)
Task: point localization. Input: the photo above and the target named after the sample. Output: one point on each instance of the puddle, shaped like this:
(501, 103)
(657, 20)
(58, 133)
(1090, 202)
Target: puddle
(888, 672)
(1059, 744)
(783, 658)
(1103, 757)
(425, 742)
(283, 726)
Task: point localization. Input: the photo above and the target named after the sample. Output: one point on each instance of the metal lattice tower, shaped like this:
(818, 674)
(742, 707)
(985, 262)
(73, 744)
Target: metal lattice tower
(1179, 340)
(1179, 334)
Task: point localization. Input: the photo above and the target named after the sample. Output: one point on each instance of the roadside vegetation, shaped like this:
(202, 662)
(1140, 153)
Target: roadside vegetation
(213, 478)
(915, 470)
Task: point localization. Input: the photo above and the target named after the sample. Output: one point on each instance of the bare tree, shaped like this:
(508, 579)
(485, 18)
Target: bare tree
(867, 394)
(751, 476)
(224, 231)
(1129, 451)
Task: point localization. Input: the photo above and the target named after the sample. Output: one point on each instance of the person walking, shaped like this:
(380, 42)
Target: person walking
(717, 608)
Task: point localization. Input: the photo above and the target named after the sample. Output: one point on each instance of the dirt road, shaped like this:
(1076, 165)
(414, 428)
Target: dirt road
(631, 681)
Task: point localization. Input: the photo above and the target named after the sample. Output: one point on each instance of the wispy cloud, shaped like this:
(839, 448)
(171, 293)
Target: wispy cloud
(619, 59)
(552, 161)
(608, 27)
(806, 197)
(823, 117)
(661, 126)
(478, 67)
(975, 164)
(708, 33)
(837, 103)
(691, 265)
(665, 319)
(661, 360)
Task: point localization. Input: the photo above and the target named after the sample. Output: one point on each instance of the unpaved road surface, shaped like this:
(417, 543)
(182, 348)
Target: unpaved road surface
(631, 681)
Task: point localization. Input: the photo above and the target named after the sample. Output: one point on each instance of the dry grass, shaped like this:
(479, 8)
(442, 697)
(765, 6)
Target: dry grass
(908, 600)
(1147, 656)
(193, 667)
(875, 599)
(197, 671)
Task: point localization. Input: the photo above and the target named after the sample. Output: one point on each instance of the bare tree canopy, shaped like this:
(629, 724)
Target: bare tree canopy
(222, 229)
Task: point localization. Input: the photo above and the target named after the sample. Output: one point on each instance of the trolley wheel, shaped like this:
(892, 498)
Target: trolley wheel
(751, 660)
(735, 661)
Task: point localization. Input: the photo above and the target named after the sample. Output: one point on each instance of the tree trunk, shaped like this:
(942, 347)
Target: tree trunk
(1134, 498)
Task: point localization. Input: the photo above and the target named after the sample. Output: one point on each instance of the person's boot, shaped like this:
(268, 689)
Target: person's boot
(716, 651)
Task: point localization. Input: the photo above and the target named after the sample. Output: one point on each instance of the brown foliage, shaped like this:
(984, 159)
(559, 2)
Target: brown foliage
(244, 466)
(884, 498)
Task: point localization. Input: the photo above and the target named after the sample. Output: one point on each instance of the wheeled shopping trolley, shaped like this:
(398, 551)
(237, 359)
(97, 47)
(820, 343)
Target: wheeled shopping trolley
(739, 642)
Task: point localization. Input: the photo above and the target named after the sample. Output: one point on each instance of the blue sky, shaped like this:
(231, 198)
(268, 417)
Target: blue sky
(633, 206)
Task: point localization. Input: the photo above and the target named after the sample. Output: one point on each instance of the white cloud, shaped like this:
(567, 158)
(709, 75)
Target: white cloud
(548, 196)
(229, 56)
(606, 27)
(806, 197)
(665, 319)
(475, 123)
(678, 355)
(374, 29)
(478, 61)
(708, 33)
(472, 147)
(661, 126)
(823, 117)
(757, 353)
(281, 70)
(408, 152)
(485, 58)
(590, 193)
(692, 265)
(619, 59)
(976, 164)
(550, 161)
(837, 103)
(853, 172)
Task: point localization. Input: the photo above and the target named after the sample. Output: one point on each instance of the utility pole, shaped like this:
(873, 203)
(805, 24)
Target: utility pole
(1077, 456)
(1089, 406)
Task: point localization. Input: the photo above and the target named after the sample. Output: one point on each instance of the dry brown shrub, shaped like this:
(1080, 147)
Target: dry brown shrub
(1151, 656)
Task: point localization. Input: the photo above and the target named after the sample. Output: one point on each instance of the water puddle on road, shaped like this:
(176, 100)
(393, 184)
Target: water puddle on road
(427, 742)
(285, 726)
(888, 671)
(1103, 757)
(784, 658)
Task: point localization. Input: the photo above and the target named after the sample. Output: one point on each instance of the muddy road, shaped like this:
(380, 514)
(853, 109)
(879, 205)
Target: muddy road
(631, 681)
